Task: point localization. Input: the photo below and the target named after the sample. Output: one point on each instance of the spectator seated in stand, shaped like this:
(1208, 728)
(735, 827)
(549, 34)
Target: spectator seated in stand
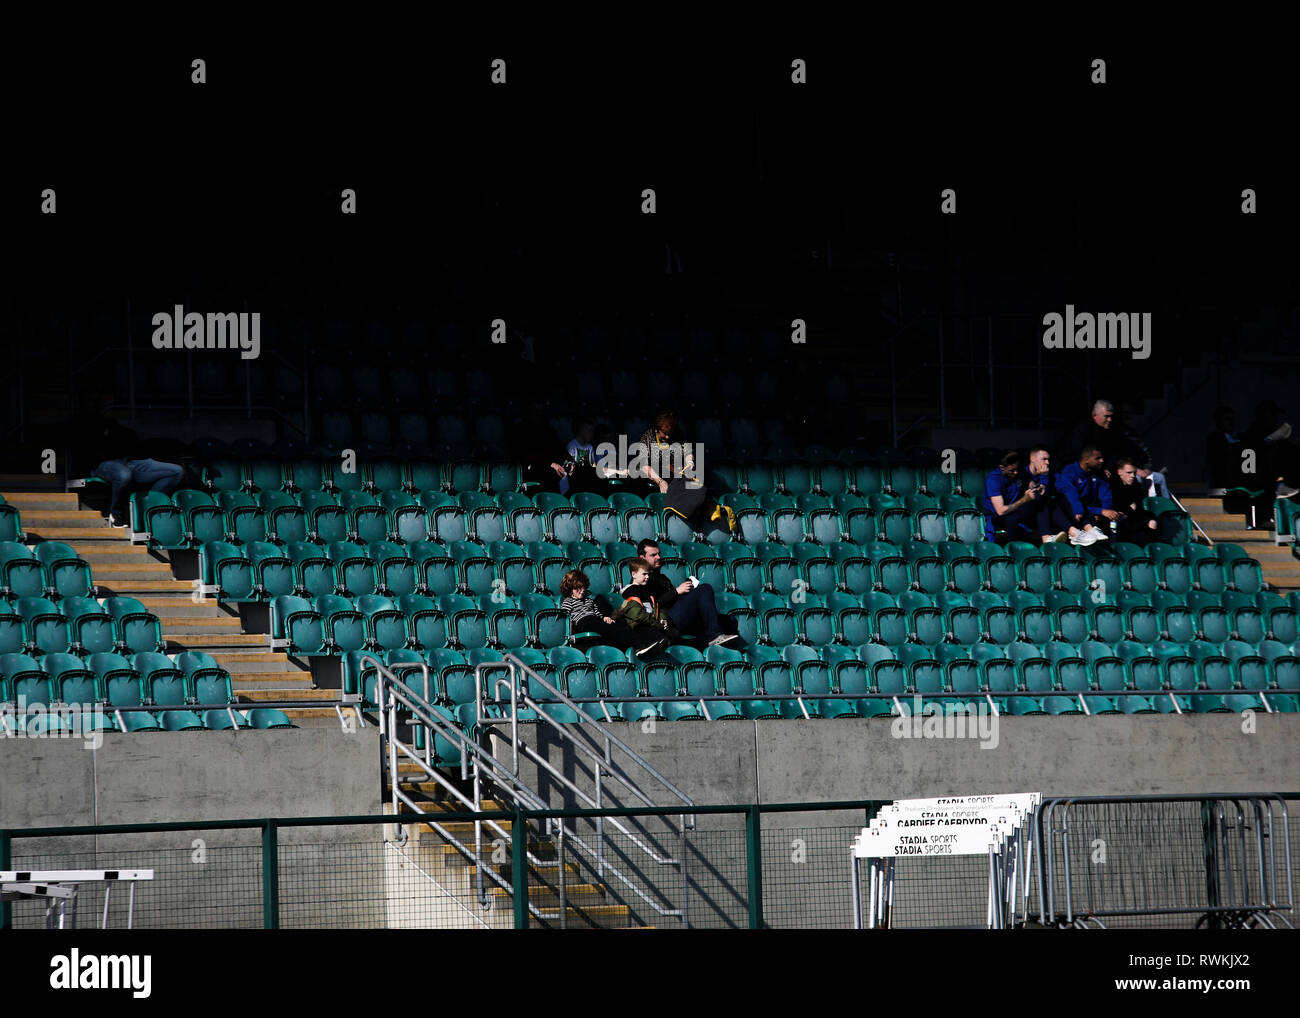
(585, 617)
(1135, 525)
(1086, 490)
(1009, 503)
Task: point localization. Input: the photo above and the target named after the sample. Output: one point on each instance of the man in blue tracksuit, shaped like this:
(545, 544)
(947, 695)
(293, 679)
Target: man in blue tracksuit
(1008, 503)
(1088, 495)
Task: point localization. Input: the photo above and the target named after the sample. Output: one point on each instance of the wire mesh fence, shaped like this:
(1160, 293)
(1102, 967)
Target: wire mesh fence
(805, 877)
(1150, 865)
(200, 881)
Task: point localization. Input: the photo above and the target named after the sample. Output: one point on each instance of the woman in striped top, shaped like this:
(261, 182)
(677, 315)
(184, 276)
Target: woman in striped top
(587, 619)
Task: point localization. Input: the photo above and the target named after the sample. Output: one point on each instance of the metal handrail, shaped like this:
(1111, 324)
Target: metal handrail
(1176, 501)
(398, 691)
(516, 662)
(601, 766)
(390, 691)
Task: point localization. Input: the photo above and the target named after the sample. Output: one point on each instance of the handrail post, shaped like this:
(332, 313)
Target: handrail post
(754, 865)
(519, 869)
(600, 827)
(6, 861)
(686, 881)
(564, 880)
(270, 875)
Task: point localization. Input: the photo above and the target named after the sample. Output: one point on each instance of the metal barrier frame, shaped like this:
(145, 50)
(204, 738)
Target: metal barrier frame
(271, 826)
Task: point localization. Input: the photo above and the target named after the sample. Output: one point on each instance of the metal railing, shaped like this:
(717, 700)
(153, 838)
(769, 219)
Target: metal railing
(1216, 856)
(477, 764)
(341, 881)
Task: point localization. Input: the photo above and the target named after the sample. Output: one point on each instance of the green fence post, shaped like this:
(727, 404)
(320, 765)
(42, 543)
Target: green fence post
(6, 910)
(270, 875)
(1210, 852)
(519, 869)
(754, 866)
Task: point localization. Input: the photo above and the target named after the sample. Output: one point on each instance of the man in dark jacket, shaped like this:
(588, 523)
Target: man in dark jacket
(691, 608)
(1135, 525)
(1050, 513)
(1104, 432)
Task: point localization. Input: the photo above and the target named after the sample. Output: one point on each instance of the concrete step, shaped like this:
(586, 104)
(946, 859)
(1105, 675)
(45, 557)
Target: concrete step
(466, 827)
(207, 641)
(278, 680)
(100, 551)
(53, 519)
(190, 625)
(183, 606)
(287, 693)
(593, 912)
(257, 661)
(549, 872)
(546, 896)
(169, 594)
(70, 534)
(124, 569)
(35, 500)
(313, 717)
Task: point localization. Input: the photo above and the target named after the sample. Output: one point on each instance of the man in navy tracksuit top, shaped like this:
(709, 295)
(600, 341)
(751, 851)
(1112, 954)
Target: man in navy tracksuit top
(1008, 502)
(1088, 494)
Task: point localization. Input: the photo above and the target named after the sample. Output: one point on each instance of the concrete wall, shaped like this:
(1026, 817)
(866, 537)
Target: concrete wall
(805, 864)
(329, 876)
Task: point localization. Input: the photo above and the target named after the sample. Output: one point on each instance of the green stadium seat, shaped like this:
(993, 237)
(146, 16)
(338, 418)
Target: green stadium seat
(266, 718)
(245, 520)
(327, 521)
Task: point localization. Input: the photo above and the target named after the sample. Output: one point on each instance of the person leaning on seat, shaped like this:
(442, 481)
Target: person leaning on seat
(118, 455)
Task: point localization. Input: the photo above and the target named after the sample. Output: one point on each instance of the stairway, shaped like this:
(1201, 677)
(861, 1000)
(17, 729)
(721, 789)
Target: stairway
(1281, 570)
(121, 568)
(587, 904)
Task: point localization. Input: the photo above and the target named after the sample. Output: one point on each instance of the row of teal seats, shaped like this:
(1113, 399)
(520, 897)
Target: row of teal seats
(260, 571)
(70, 723)
(447, 680)
(49, 569)
(124, 691)
(267, 472)
(145, 679)
(607, 671)
(189, 518)
(79, 625)
(332, 624)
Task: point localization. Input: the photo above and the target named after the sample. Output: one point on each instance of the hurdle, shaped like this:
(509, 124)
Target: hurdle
(60, 890)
